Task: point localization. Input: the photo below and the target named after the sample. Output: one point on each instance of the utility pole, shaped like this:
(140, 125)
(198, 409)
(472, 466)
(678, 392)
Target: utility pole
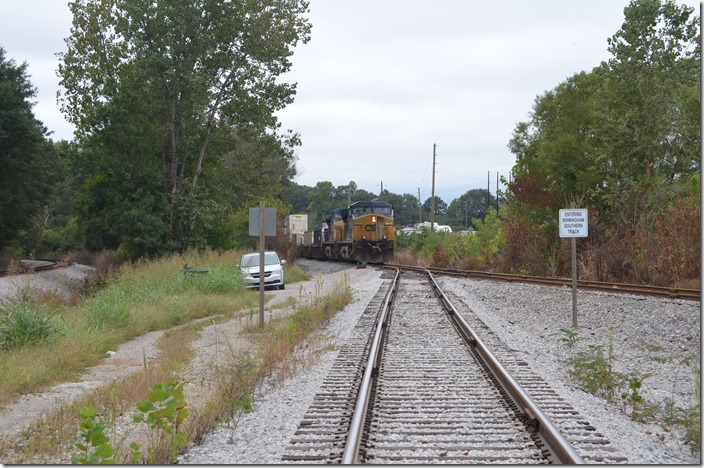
(488, 192)
(432, 198)
(497, 192)
(420, 206)
(382, 189)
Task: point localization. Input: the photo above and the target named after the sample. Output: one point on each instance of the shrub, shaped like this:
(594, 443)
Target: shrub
(24, 325)
(219, 280)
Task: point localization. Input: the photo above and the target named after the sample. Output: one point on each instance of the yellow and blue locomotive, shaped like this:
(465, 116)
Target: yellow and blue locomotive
(362, 232)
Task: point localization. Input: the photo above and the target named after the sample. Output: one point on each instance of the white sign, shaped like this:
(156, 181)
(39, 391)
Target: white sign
(574, 222)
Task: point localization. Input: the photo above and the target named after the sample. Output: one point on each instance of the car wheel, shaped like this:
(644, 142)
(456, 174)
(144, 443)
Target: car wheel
(282, 286)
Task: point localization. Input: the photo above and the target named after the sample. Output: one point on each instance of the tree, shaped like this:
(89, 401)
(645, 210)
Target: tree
(27, 157)
(322, 200)
(187, 86)
(440, 209)
(405, 207)
(557, 149)
(653, 85)
(470, 206)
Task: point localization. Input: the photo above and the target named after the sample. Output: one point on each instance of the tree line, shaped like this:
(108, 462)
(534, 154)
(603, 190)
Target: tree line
(460, 214)
(176, 137)
(622, 140)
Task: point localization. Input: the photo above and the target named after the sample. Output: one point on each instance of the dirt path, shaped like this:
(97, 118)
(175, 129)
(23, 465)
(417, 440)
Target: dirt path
(215, 344)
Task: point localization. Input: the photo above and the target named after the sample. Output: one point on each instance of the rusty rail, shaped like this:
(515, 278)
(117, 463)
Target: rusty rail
(658, 291)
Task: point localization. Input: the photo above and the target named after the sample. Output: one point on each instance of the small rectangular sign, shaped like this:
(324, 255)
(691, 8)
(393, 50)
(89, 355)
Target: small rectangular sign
(269, 221)
(574, 222)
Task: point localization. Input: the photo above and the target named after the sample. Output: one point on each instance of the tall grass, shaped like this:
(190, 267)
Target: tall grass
(23, 324)
(50, 440)
(275, 344)
(235, 381)
(137, 298)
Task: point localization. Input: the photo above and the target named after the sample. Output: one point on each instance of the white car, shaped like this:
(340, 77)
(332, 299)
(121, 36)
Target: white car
(273, 269)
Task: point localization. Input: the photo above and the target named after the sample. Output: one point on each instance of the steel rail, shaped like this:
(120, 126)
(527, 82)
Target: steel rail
(354, 438)
(24, 270)
(659, 291)
(555, 441)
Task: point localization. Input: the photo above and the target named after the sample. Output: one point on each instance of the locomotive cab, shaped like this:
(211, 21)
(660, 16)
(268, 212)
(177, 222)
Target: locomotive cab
(372, 231)
(363, 232)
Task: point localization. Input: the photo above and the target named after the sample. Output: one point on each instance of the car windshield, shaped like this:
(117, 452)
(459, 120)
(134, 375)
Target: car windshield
(252, 260)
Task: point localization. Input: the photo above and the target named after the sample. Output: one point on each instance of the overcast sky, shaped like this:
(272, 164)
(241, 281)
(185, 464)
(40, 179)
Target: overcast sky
(381, 81)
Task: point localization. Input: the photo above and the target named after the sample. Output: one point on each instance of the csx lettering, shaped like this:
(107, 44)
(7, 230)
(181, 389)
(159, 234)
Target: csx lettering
(370, 227)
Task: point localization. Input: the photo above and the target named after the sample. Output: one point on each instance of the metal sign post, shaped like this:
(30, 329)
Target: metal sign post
(262, 222)
(261, 263)
(574, 223)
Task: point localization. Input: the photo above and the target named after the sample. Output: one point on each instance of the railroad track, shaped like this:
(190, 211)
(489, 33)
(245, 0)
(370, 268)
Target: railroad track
(434, 393)
(26, 266)
(642, 289)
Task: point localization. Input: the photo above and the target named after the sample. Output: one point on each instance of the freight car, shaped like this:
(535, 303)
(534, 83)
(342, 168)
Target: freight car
(363, 232)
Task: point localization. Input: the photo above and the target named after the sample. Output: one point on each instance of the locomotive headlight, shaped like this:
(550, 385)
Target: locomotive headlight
(364, 237)
(373, 219)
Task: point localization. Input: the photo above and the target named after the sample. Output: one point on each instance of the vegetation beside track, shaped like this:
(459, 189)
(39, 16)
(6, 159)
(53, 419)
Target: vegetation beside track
(161, 290)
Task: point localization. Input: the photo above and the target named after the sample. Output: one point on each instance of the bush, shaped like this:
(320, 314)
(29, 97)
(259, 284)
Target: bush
(219, 280)
(23, 325)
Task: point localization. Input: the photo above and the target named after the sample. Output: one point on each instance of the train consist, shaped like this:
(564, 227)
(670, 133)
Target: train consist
(363, 232)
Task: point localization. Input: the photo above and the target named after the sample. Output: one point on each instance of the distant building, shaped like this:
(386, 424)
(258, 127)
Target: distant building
(418, 228)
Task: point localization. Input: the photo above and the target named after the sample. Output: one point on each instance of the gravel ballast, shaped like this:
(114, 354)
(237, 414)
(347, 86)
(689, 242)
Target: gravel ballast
(655, 336)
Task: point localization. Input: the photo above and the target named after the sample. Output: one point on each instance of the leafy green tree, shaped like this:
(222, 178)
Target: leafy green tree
(298, 196)
(182, 94)
(27, 157)
(558, 149)
(322, 200)
(653, 80)
(440, 209)
(472, 205)
(405, 207)
(363, 195)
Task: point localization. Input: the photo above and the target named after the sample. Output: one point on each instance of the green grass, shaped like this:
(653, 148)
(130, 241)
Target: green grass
(293, 274)
(152, 296)
(23, 323)
(591, 369)
(41, 346)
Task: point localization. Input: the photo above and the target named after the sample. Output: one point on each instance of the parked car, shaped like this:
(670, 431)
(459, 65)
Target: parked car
(273, 269)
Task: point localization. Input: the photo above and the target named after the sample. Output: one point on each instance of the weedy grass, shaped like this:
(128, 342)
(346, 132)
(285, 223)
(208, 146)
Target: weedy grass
(50, 440)
(592, 369)
(48, 347)
(174, 300)
(275, 343)
(23, 323)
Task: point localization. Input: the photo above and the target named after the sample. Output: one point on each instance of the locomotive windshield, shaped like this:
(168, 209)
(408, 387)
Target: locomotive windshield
(379, 207)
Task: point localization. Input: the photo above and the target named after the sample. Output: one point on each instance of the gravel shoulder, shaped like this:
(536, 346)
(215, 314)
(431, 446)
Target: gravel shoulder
(660, 337)
(526, 317)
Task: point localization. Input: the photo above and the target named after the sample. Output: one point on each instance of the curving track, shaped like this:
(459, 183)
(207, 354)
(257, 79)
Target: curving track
(434, 398)
(34, 266)
(641, 289)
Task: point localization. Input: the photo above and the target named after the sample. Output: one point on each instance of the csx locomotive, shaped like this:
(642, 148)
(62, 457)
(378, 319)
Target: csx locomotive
(363, 232)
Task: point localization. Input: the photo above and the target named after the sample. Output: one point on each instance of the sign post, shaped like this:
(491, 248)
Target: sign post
(262, 222)
(574, 223)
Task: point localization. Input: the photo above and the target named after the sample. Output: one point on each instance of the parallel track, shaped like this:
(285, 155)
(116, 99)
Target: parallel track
(432, 396)
(28, 266)
(658, 291)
